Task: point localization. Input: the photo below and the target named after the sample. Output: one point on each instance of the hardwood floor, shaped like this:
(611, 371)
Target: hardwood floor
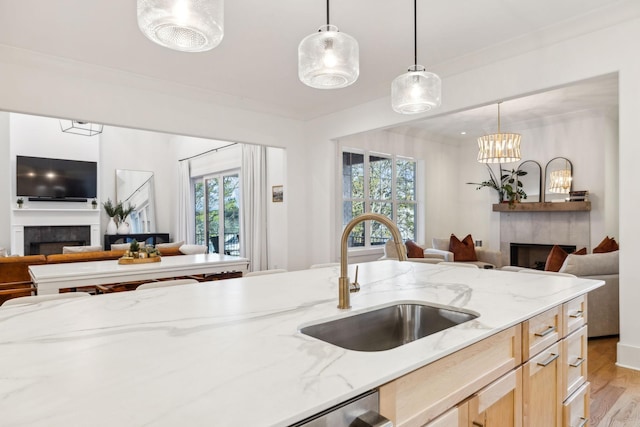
(615, 391)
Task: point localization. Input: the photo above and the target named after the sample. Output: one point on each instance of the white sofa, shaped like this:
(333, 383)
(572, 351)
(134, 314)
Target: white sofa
(487, 258)
(391, 253)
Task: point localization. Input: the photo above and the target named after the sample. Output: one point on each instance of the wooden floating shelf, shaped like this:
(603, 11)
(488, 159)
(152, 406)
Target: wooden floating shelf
(543, 207)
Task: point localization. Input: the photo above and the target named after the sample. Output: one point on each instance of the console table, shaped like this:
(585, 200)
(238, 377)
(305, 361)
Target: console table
(50, 278)
(148, 238)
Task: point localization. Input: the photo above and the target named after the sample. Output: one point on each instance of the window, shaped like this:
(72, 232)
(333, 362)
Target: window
(216, 194)
(382, 184)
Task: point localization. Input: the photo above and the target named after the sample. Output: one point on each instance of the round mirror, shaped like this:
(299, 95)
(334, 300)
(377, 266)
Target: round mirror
(558, 176)
(531, 181)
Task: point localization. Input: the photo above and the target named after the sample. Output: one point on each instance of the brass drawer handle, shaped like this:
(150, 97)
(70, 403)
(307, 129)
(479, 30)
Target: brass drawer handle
(546, 332)
(578, 314)
(477, 424)
(549, 360)
(583, 422)
(579, 361)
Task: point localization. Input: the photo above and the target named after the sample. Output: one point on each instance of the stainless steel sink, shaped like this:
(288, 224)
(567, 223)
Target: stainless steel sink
(388, 327)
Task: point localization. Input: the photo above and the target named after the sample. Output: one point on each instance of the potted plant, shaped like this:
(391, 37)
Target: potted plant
(509, 186)
(94, 204)
(20, 202)
(123, 213)
(112, 212)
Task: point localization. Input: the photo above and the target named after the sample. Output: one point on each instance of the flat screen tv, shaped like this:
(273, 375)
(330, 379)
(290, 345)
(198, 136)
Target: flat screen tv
(55, 179)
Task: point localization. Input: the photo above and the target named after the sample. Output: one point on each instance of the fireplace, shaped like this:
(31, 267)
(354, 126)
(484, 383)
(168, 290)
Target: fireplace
(46, 240)
(533, 255)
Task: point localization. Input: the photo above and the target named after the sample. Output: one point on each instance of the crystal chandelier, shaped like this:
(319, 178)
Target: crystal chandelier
(499, 147)
(328, 59)
(417, 90)
(184, 25)
(80, 128)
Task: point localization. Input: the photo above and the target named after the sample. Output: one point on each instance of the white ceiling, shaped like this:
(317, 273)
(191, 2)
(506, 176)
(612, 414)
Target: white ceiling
(257, 60)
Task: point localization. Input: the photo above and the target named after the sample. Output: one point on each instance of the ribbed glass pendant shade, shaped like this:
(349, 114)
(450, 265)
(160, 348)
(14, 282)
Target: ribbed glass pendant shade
(184, 25)
(560, 181)
(416, 91)
(328, 59)
(499, 148)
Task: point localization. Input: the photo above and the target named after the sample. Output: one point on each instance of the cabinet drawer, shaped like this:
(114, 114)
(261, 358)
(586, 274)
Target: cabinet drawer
(576, 408)
(422, 395)
(541, 331)
(542, 389)
(574, 314)
(574, 361)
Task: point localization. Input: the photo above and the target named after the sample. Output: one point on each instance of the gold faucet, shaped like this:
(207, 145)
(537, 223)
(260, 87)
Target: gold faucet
(344, 283)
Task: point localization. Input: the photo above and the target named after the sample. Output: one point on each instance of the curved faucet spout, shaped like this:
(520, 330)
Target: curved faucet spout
(344, 283)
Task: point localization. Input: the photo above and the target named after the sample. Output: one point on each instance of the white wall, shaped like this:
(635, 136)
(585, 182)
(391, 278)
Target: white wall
(6, 180)
(277, 232)
(122, 148)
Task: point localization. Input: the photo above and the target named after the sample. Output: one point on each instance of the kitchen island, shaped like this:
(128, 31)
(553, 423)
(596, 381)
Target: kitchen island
(229, 353)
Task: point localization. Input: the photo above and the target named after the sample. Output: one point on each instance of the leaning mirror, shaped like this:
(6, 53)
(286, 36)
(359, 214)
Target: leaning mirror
(558, 176)
(531, 181)
(136, 188)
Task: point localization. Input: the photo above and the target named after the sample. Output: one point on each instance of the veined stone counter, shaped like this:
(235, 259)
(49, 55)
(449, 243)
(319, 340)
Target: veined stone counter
(228, 353)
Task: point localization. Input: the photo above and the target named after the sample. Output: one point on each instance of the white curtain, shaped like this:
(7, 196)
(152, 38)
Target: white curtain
(186, 229)
(253, 234)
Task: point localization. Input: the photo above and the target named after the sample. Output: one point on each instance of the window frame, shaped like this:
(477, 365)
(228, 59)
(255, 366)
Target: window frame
(367, 200)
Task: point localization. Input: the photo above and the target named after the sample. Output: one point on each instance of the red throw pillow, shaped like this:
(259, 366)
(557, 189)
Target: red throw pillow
(607, 245)
(462, 250)
(556, 258)
(413, 250)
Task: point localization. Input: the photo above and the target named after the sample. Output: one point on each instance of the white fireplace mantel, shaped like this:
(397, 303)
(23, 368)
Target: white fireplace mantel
(52, 216)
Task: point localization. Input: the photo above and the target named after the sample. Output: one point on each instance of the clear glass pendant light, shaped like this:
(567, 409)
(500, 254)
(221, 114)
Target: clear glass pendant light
(328, 59)
(417, 90)
(184, 25)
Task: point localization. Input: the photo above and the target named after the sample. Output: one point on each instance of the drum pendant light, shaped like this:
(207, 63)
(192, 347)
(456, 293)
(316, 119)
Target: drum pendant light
(328, 59)
(417, 90)
(184, 25)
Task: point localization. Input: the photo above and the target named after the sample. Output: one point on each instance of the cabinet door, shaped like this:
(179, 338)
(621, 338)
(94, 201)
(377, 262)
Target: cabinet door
(499, 404)
(574, 361)
(576, 408)
(542, 389)
(455, 417)
(541, 331)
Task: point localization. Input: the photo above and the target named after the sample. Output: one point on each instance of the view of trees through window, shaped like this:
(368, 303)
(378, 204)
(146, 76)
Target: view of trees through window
(380, 184)
(213, 195)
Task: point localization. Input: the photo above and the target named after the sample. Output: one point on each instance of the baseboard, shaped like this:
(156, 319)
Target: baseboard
(628, 356)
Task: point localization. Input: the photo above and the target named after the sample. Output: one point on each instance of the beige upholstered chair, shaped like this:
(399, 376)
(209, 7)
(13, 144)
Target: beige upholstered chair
(36, 299)
(166, 283)
(391, 253)
(265, 272)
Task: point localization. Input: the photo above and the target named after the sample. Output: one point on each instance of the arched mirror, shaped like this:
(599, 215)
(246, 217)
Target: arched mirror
(531, 181)
(136, 188)
(558, 177)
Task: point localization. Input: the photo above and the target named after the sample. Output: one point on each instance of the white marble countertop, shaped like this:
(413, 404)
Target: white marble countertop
(228, 353)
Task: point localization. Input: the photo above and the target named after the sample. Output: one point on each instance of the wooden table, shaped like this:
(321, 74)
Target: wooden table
(50, 278)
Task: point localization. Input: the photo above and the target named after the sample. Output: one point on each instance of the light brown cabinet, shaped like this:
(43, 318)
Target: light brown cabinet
(530, 375)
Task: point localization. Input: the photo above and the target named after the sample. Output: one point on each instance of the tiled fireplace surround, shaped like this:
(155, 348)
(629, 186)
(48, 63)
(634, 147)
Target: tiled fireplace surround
(545, 228)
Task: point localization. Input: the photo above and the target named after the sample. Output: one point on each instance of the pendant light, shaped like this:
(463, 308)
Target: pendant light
(417, 90)
(184, 25)
(80, 127)
(499, 147)
(328, 59)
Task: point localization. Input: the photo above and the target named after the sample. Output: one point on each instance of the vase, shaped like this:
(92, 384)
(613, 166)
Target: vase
(124, 228)
(112, 228)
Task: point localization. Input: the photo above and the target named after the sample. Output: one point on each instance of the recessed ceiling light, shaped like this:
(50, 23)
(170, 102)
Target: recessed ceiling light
(463, 133)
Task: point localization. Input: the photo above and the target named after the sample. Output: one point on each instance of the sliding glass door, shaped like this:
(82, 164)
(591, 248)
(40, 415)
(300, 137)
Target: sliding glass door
(217, 209)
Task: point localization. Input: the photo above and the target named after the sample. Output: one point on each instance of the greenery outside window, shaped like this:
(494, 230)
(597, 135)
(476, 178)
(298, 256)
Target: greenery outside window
(379, 183)
(218, 197)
